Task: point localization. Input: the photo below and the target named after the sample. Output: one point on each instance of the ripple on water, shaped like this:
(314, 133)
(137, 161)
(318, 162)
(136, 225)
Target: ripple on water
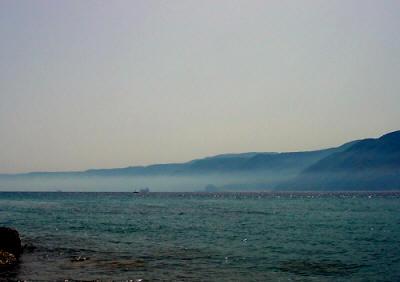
(323, 267)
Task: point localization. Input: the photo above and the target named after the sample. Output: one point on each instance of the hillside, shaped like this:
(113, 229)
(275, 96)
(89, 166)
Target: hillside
(247, 171)
(370, 164)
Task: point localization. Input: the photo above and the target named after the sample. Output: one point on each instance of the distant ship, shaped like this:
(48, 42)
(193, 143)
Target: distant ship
(144, 190)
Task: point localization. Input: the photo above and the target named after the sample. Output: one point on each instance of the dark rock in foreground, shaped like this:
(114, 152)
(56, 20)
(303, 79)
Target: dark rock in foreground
(10, 246)
(7, 259)
(10, 241)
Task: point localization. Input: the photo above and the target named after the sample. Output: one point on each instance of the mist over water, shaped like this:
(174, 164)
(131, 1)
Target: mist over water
(160, 183)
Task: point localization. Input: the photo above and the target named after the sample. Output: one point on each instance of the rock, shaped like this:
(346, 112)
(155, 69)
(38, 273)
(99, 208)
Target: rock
(7, 259)
(10, 242)
(29, 248)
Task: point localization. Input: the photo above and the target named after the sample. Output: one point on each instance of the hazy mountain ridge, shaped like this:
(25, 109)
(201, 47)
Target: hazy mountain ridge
(380, 153)
(368, 164)
(244, 162)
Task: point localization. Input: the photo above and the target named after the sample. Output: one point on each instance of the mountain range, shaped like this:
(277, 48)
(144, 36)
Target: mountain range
(368, 164)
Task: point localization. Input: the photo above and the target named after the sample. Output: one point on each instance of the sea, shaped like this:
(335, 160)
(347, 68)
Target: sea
(303, 236)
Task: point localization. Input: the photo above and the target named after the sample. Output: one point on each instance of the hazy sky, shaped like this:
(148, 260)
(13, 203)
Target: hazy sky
(102, 84)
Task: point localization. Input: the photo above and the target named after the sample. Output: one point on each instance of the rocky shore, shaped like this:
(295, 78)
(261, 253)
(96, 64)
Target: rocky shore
(10, 247)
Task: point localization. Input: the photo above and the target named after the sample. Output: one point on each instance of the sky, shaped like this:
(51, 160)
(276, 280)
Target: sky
(106, 84)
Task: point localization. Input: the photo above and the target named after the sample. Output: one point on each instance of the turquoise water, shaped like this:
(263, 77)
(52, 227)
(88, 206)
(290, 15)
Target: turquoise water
(206, 236)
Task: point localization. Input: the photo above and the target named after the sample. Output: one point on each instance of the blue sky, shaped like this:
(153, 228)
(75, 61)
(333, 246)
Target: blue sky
(102, 84)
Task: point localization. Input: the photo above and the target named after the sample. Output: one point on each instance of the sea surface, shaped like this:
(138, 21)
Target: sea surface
(205, 236)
